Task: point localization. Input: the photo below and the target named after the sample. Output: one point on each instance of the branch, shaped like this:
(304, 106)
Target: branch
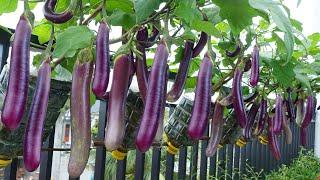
(93, 15)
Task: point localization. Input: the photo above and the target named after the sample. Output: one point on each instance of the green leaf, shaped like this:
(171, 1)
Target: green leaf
(7, 6)
(37, 59)
(124, 5)
(68, 63)
(205, 26)
(120, 18)
(284, 74)
(280, 19)
(304, 80)
(144, 8)
(194, 66)
(72, 39)
(212, 14)
(238, 13)
(187, 10)
(43, 32)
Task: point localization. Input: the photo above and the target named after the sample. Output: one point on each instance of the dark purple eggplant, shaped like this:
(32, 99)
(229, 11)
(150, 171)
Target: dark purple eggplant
(102, 64)
(154, 36)
(290, 107)
(58, 18)
(227, 101)
(115, 127)
(247, 65)
(263, 116)
(237, 99)
(151, 116)
(303, 136)
(16, 95)
(80, 113)
(300, 111)
(272, 140)
(278, 115)
(33, 134)
(247, 131)
(201, 107)
(181, 77)
(235, 52)
(200, 45)
(216, 129)
(309, 112)
(141, 65)
(286, 128)
(254, 76)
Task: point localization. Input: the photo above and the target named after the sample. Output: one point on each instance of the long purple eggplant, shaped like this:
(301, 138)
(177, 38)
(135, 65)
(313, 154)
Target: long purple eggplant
(181, 77)
(237, 99)
(286, 128)
(200, 45)
(247, 131)
(303, 136)
(234, 53)
(300, 111)
(17, 91)
(278, 115)
(272, 140)
(141, 65)
(263, 115)
(216, 129)
(58, 18)
(309, 112)
(201, 107)
(254, 76)
(102, 64)
(115, 127)
(33, 134)
(80, 113)
(151, 116)
(290, 107)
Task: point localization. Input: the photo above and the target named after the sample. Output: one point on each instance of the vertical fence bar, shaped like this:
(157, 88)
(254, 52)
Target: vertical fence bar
(139, 171)
(155, 167)
(229, 159)
(194, 161)
(121, 169)
(221, 161)
(242, 163)
(204, 159)
(100, 161)
(169, 166)
(10, 172)
(46, 158)
(183, 152)
(212, 166)
(236, 160)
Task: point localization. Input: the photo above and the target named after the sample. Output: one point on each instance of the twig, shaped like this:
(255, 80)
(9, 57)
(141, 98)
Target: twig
(93, 15)
(56, 62)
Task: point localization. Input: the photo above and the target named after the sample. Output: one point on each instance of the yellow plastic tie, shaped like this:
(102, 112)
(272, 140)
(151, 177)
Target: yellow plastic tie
(220, 146)
(172, 149)
(118, 155)
(263, 140)
(4, 161)
(241, 142)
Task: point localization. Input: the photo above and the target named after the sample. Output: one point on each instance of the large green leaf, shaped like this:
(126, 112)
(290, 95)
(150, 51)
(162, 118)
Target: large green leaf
(144, 8)
(43, 32)
(72, 39)
(124, 5)
(205, 26)
(7, 6)
(187, 10)
(120, 18)
(280, 19)
(238, 13)
(284, 74)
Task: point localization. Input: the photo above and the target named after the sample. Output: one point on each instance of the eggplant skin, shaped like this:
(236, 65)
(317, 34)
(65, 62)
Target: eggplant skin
(151, 116)
(273, 142)
(237, 99)
(57, 18)
(102, 64)
(200, 45)
(115, 126)
(17, 91)
(309, 112)
(290, 106)
(181, 77)
(278, 115)
(33, 134)
(201, 107)
(234, 53)
(254, 76)
(251, 117)
(263, 115)
(80, 113)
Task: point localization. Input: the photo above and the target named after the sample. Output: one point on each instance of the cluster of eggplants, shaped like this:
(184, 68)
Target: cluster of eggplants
(58, 18)
(15, 100)
(80, 113)
(201, 106)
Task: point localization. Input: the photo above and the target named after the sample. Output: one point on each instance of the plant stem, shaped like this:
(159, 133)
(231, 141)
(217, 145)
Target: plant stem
(93, 15)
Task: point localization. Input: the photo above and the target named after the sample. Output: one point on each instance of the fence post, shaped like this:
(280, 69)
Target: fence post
(46, 158)
(10, 172)
(317, 130)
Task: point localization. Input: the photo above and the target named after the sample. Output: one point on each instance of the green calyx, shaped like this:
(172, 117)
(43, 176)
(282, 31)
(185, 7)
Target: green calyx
(85, 55)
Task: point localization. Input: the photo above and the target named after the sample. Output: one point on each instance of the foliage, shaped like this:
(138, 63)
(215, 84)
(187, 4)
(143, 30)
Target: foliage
(306, 166)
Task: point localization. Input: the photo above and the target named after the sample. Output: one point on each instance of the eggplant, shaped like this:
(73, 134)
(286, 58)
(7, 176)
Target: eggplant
(102, 64)
(150, 118)
(15, 100)
(235, 52)
(59, 18)
(32, 142)
(263, 116)
(227, 101)
(278, 115)
(237, 99)
(181, 77)
(300, 111)
(201, 107)
(303, 136)
(141, 65)
(216, 130)
(272, 140)
(200, 45)
(80, 113)
(290, 107)
(286, 128)
(115, 126)
(254, 76)
(251, 117)
(309, 112)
